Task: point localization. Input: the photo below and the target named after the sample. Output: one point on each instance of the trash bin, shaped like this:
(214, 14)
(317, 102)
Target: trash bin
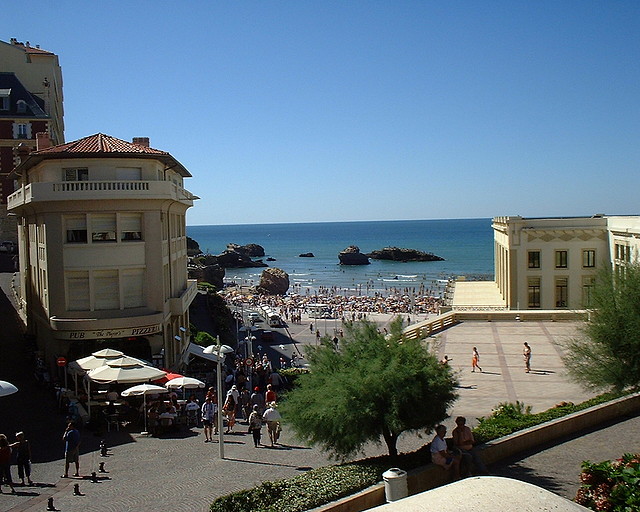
(395, 484)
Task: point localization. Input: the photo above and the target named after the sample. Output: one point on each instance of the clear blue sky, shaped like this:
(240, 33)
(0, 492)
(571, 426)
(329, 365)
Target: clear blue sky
(296, 111)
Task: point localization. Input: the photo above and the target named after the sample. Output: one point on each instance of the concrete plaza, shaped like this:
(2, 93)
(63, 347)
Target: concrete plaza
(182, 473)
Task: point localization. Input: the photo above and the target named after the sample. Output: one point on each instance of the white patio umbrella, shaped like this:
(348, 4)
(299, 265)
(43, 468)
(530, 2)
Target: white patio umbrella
(108, 352)
(144, 390)
(95, 360)
(6, 388)
(131, 374)
(184, 383)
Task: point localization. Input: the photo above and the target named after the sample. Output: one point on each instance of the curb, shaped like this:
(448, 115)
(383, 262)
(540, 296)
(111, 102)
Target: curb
(432, 476)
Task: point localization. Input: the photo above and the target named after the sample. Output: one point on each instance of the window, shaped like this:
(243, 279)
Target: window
(22, 131)
(106, 290)
(133, 288)
(588, 258)
(129, 173)
(534, 292)
(77, 284)
(4, 99)
(588, 283)
(76, 228)
(561, 259)
(21, 106)
(79, 174)
(561, 292)
(103, 227)
(534, 259)
(130, 225)
(623, 252)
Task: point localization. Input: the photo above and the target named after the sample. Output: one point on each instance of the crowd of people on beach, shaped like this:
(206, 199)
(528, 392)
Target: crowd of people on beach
(291, 306)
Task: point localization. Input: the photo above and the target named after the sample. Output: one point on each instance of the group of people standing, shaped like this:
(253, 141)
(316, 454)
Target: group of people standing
(23, 459)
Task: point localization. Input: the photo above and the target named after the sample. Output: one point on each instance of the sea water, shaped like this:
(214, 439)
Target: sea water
(465, 244)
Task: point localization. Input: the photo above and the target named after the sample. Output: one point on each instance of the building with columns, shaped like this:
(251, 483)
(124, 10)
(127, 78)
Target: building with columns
(551, 263)
(102, 248)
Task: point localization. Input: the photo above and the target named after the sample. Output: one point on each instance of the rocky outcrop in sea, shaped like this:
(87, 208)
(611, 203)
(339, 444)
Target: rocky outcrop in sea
(352, 256)
(401, 254)
(273, 281)
(306, 255)
(251, 250)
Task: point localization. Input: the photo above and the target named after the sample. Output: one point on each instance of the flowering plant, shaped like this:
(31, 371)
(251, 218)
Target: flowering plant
(611, 486)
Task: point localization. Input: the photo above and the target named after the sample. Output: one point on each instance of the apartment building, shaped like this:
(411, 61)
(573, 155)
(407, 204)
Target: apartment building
(551, 263)
(102, 248)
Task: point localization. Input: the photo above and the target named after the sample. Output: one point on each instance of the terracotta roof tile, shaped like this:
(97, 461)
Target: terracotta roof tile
(99, 143)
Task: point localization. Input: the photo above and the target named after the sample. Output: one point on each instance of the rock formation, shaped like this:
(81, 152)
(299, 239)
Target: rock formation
(193, 249)
(306, 255)
(273, 281)
(352, 256)
(234, 259)
(401, 254)
(212, 274)
(251, 250)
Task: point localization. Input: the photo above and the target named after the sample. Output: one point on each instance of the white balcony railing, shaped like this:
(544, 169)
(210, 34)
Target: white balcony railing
(96, 190)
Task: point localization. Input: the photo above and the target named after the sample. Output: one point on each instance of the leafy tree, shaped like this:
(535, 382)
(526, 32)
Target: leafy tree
(374, 387)
(606, 354)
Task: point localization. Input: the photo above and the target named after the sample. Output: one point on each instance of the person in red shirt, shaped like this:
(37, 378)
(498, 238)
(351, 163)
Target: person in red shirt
(271, 395)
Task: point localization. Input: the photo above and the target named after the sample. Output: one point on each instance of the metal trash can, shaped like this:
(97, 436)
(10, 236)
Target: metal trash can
(395, 484)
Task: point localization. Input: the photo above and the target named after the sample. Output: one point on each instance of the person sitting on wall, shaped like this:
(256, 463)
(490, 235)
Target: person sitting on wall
(441, 455)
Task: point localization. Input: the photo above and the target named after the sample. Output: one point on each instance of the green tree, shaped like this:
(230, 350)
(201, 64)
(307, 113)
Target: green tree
(373, 387)
(606, 353)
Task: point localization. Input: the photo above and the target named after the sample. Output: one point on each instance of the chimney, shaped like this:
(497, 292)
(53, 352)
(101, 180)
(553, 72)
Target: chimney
(141, 141)
(43, 141)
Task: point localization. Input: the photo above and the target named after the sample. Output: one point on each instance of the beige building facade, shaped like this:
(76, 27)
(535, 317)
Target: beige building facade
(551, 263)
(102, 249)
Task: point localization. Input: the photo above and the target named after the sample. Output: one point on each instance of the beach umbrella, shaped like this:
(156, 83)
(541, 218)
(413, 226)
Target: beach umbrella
(125, 374)
(144, 390)
(169, 376)
(6, 388)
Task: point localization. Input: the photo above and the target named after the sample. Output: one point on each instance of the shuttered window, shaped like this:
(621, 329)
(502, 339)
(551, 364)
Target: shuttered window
(77, 284)
(133, 287)
(106, 290)
(103, 227)
(130, 225)
(76, 228)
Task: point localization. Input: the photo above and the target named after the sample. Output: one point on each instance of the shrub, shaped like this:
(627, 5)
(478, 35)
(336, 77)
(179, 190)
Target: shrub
(611, 486)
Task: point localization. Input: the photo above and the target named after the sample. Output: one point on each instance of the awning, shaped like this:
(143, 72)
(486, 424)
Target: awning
(197, 350)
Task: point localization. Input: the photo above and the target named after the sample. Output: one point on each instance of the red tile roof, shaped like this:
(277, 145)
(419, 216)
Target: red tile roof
(99, 143)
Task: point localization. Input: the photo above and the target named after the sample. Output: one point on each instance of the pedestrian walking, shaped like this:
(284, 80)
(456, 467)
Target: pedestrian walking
(255, 425)
(526, 354)
(209, 410)
(475, 359)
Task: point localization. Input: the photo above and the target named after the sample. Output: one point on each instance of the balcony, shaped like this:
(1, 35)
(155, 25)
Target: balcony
(97, 190)
(179, 305)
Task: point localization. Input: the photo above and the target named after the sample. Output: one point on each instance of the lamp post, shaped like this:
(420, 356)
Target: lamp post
(221, 352)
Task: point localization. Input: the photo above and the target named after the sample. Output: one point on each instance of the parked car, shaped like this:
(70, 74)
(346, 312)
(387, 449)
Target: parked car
(254, 317)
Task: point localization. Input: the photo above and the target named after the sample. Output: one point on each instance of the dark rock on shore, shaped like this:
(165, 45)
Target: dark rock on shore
(352, 256)
(233, 259)
(212, 274)
(271, 259)
(251, 250)
(273, 281)
(401, 254)
(193, 249)
(306, 255)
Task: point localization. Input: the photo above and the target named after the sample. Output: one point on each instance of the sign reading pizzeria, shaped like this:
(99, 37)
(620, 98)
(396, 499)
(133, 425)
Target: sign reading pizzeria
(144, 330)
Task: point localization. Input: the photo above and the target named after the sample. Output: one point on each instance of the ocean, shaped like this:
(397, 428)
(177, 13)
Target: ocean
(465, 244)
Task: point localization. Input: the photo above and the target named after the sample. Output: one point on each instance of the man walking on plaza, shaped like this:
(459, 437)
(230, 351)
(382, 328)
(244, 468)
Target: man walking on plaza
(526, 353)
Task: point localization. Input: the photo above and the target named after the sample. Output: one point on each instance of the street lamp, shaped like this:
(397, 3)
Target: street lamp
(220, 352)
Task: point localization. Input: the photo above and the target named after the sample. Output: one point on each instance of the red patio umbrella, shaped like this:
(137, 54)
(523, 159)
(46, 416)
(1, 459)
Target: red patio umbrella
(169, 376)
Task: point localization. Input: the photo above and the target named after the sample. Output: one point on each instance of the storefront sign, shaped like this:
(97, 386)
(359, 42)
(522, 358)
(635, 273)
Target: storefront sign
(145, 330)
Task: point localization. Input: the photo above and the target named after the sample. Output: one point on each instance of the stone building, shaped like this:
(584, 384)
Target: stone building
(102, 248)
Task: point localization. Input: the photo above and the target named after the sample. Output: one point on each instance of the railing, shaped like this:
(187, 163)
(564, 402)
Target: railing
(490, 314)
(89, 190)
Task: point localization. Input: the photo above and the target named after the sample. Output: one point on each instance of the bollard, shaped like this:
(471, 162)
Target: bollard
(94, 477)
(101, 468)
(76, 490)
(103, 448)
(50, 505)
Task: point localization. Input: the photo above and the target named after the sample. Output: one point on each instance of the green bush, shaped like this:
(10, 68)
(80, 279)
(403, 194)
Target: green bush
(611, 486)
(508, 418)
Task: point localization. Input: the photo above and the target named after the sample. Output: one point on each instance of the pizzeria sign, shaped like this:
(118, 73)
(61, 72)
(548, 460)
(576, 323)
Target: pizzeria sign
(144, 330)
